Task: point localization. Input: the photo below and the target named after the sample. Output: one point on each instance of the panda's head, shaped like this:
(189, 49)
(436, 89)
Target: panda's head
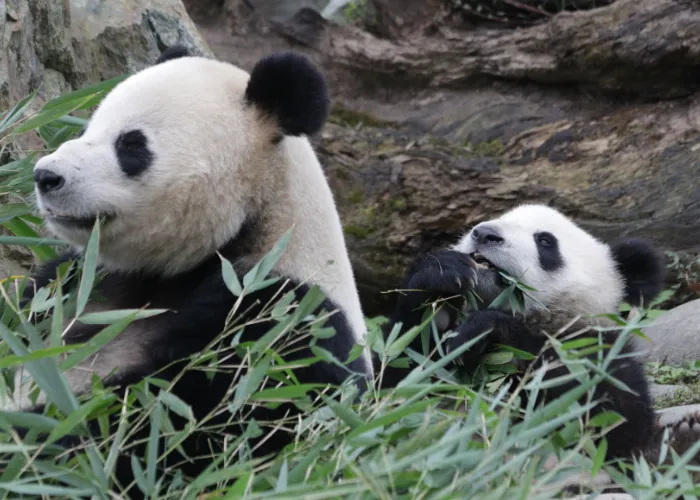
(179, 156)
(571, 270)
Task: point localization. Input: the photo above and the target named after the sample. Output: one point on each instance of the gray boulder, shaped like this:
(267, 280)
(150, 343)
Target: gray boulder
(660, 391)
(62, 45)
(674, 337)
(671, 415)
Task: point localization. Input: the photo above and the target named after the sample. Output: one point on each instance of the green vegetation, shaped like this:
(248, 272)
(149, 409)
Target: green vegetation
(353, 118)
(487, 148)
(432, 437)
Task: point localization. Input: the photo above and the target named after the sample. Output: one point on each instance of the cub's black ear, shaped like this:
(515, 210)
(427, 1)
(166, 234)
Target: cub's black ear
(643, 269)
(289, 88)
(174, 52)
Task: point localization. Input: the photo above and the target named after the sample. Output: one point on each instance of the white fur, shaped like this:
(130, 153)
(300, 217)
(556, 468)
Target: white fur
(215, 163)
(589, 281)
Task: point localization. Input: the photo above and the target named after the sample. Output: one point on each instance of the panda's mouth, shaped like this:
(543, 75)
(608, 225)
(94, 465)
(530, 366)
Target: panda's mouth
(79, 222)
(481, 261)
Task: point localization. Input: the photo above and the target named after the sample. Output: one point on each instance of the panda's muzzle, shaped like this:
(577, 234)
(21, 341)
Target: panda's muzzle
(49, 182)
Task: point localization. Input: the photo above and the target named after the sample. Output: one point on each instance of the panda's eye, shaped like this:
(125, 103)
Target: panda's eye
(133, 153)
(545, 240)
(132, 140)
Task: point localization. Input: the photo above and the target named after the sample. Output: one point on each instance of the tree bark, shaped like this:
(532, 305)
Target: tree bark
(643, 47)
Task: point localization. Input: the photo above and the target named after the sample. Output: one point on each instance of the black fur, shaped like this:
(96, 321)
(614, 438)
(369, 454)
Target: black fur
(632, 437)
(548, 252)
(174, 52)
(643, 269)
(445, 274)
(289, 88)
(200, 302)
(133, 153)
(448, 273)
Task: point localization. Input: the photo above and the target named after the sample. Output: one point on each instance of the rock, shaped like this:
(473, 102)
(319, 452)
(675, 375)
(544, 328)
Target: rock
(66, 45)
(282, 10)
(674, 336)
(59, 45)
(673, 414)
(9, 266)
(659, 391)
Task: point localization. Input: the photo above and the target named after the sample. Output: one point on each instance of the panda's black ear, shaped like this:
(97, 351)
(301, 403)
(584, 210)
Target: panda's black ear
(289, 88)
(174, 52)
(643, 269)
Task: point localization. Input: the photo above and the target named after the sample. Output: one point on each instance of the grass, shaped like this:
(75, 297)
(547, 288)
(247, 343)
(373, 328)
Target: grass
(431, 437)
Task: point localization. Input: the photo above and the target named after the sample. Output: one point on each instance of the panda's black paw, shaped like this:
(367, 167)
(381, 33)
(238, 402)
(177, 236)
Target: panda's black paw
(445, 277)
(500, 328)
(443, 273)
(684, 433)
(477, 323)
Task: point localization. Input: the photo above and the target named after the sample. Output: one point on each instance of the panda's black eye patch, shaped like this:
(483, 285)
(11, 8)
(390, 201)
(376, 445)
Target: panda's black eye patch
(132, 152)
(548, 251)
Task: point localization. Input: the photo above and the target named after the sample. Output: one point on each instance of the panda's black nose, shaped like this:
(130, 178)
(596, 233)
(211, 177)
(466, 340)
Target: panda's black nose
(486, 235)
(46, 180)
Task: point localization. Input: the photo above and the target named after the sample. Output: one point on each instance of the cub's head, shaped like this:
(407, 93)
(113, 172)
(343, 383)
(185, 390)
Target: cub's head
(571, 270)
(179, 156)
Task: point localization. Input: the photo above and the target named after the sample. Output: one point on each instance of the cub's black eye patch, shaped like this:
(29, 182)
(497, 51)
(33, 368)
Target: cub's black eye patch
(132, 153)
(548, 251)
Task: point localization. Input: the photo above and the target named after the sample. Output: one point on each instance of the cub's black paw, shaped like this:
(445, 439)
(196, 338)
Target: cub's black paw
(443, 273)
(684, 433)
(477, 323)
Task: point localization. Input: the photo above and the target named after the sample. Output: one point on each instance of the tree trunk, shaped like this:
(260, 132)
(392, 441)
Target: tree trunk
(643, 47)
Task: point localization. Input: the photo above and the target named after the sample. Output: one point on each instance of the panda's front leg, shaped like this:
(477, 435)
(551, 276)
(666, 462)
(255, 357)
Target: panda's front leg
(445, 276)
(499, 327)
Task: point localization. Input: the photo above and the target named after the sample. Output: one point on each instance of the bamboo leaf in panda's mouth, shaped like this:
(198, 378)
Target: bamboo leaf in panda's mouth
(89, 267)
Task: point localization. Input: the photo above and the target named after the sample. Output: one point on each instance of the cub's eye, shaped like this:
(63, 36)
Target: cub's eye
(132, 140)
(545, 240)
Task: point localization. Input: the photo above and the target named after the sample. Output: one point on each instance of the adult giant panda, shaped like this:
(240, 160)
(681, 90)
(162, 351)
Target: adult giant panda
(188, 161)
(573, 275)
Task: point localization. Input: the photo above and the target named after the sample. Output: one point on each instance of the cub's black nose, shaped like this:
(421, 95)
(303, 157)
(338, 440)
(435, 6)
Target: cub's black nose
(485, 235)
(46, 180)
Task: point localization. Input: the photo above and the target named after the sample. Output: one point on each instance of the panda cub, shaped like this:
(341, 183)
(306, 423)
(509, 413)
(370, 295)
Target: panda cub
(188, 161)
(572, 273)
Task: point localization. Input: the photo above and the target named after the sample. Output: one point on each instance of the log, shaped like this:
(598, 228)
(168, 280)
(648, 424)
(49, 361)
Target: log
(648, 48)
